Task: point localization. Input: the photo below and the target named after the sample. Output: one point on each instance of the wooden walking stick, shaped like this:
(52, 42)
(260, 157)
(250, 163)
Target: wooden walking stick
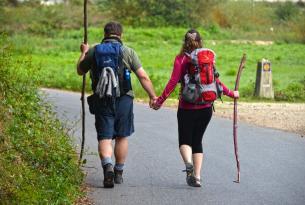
(241, 67)
(83, 86)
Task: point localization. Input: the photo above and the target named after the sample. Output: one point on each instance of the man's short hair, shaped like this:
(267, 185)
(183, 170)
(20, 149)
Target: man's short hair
(113, 29)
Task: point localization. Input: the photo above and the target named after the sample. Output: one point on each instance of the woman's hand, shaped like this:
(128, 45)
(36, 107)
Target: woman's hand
(236, 94)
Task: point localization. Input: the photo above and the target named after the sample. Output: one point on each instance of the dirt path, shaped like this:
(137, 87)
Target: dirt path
(283, 116)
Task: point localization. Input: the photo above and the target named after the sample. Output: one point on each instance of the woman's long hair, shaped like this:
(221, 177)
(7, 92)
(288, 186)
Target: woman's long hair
(192, 40)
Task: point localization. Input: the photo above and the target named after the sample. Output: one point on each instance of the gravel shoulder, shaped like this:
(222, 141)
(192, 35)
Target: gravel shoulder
(283, 116)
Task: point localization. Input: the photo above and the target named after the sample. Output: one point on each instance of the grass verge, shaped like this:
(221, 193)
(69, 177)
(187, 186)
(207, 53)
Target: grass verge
(38, 165)
(56, 59)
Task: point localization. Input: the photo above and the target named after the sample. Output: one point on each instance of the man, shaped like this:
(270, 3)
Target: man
(114, 117)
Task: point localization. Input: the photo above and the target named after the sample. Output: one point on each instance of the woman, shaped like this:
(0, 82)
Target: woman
(193, 119)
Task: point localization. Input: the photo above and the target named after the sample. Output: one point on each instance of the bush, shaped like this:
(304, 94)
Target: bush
(190, 13)
(254, 20)
(286, 11)
(294, 92)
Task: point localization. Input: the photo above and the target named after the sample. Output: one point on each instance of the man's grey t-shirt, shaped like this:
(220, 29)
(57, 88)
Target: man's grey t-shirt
(130, 61)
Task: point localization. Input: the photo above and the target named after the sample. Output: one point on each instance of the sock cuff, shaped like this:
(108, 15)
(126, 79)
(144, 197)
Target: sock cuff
(106, 160)
(119, 167)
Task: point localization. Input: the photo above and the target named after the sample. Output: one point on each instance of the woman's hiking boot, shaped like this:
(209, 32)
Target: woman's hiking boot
(118, 176)
(197, 183)
(108, 176)
(190, 178)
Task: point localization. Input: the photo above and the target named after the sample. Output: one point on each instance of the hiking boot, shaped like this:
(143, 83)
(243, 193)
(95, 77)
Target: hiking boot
(108, 176)
(190, 178)
(197, 182)
(118, 176)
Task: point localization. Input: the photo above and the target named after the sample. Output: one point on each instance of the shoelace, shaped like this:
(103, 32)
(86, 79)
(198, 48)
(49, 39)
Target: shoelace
(189, 172)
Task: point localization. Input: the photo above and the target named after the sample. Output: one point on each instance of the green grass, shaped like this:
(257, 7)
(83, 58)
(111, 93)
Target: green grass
(157, 48)
(38, 164)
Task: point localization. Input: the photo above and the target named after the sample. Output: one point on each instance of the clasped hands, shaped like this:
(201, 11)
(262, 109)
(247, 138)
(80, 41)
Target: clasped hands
(153, 103)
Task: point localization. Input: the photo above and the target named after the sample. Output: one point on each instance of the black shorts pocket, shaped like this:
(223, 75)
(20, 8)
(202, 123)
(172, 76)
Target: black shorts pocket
(92, 102)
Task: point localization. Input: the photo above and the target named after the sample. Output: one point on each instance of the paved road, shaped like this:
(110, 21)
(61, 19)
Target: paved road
(272, 162)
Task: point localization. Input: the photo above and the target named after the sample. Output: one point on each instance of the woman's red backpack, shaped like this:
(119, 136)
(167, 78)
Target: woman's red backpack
(200, 86)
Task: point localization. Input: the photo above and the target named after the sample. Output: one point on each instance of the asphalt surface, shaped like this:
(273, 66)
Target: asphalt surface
(272, 161)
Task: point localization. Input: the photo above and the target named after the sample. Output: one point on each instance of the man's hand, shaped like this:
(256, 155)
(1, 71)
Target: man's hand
(236, 94)
(84, 47)
(152, 101)
(155, 105)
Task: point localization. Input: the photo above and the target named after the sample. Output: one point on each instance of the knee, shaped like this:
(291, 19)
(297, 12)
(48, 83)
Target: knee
(197, 148)
(121, 140)
(105, 142)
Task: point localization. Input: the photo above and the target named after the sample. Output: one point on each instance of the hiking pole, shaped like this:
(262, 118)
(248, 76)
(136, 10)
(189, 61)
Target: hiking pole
(241, 67)
(83, 87)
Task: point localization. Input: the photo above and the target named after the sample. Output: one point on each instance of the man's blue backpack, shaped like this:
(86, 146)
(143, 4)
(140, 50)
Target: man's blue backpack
(105, 77)
(110, 79)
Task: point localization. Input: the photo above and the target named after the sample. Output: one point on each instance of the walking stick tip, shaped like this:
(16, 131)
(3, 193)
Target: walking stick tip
(238, 178)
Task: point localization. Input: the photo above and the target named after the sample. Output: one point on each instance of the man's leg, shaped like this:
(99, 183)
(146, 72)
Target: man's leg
(120, 153)
(105, 148)
(120, 149)
(105, 152)
(124, 127)
(105, 128)
(104, 123)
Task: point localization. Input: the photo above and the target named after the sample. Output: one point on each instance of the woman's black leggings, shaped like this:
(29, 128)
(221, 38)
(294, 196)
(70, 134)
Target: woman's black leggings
(192, 125)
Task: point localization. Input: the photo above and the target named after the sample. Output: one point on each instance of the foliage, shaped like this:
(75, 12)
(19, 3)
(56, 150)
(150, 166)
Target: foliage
(46, 20)
(286, 11)
(283, 22)
(37, 164)
(157, 12)
(294, 91)
(52, 35)
(157, 48)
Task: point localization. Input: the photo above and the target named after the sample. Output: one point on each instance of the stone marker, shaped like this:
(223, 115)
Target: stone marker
(263, 84)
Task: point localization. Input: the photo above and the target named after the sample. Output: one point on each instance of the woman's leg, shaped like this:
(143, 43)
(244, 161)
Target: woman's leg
(186, 153)
(185, 130)
(204, 117)
(197, 159)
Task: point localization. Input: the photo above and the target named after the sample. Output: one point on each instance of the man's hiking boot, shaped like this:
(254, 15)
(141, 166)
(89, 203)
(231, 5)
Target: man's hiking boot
(191, 180)
(118, 176)
(108, 176)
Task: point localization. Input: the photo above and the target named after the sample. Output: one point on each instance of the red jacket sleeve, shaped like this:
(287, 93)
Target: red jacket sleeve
(226, 90)
(173, 81)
